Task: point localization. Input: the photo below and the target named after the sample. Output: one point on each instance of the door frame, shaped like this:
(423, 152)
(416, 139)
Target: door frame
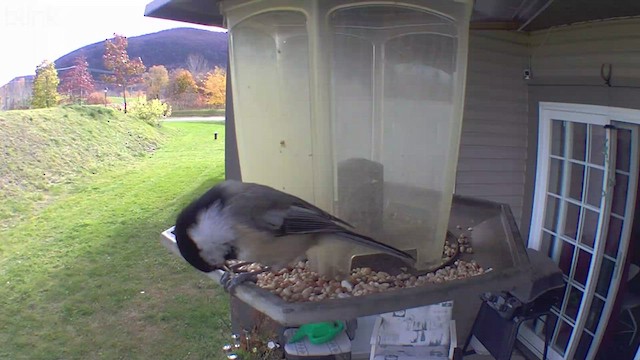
(600, 115)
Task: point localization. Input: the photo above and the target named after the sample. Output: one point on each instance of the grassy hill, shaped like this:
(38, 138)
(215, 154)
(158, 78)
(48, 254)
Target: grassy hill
(87, 278)
(40, 149)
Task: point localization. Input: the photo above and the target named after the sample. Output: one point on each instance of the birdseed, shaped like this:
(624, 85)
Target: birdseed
(299, 283)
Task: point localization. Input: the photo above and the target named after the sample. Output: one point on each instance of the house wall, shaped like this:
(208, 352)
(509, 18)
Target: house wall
(493, 145)
(500, 128)
(493, 149)
(16, 94)
(566, 64)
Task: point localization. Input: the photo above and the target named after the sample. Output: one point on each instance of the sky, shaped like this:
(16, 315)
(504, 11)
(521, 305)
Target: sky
(35, 30)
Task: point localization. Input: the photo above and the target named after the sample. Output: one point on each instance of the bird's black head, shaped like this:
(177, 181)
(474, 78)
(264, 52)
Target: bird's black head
(190, 250)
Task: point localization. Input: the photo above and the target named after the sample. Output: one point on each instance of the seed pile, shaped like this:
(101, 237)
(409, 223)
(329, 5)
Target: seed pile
(298, 283)
(241, 266)
(462, 246)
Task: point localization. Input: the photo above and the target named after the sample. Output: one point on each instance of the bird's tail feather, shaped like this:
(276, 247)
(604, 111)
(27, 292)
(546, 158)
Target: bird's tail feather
(374, 244)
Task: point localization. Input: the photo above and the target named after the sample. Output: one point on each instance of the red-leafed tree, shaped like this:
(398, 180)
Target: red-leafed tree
(125, 72)
(77, 82)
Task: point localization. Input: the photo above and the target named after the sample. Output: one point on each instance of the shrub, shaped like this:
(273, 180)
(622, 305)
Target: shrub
(96, 98)
(150, 111)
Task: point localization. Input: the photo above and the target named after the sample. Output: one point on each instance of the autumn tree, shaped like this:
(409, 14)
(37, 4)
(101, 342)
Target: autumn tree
(125, 72)
(45, 86)
(215, 86)
(183, 82)
(156, 80)
(183, 88)
(78, 82)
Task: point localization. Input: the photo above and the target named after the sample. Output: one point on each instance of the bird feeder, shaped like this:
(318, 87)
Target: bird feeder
(356, 107)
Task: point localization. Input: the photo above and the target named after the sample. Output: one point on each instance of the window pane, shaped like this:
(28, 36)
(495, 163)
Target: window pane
(547, 241)
(594, 314)
(551, 214)
(589, 227)
(604, 279)
(571, 219)
(555, 176)
(557, 137)
(576, 180)
(613, 237)
(624, 149)
(579, 141)
(619, 201)
(583, 346)
(594, 186)
(562, 339)
(582, 267)
(562, 252)
(598, 144)
(573, 303)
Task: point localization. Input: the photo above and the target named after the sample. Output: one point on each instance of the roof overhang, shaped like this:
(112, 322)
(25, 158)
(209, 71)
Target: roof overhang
(203, 12)
(525, 15)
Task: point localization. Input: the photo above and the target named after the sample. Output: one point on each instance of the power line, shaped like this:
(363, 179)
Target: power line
(100, 71)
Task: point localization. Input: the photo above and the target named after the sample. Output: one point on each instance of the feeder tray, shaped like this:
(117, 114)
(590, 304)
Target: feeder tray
(497, 245)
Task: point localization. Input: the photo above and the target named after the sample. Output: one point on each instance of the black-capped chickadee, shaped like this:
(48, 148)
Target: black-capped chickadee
(256, 223)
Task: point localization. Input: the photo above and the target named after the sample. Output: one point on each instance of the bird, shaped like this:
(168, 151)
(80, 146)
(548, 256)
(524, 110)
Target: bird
(236, 220)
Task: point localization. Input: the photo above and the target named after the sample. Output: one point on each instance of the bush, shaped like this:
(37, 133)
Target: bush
(150, 111)
(96, 98)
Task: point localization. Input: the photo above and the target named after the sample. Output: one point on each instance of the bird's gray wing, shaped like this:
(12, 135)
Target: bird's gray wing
(295, 220)
(299, 203)
(272, 199)
(301, 220)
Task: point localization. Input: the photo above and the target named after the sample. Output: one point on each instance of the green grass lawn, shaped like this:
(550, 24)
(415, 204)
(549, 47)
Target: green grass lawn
(120, 99)
(85, 277)
(196, 112)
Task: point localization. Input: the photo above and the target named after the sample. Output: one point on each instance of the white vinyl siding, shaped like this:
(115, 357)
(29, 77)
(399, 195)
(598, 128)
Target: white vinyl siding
(493, 146)
(573, 55)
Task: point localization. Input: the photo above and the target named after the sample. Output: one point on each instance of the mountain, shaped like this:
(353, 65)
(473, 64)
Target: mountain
(168, 47)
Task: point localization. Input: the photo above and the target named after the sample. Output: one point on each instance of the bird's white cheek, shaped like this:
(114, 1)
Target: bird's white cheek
(214, 254)
(212, 225)
(212, 233)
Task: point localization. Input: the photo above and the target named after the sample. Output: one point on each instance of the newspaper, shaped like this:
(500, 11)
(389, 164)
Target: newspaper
(422, 326)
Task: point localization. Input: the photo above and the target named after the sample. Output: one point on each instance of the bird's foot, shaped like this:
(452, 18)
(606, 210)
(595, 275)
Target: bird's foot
(230, 282)
(226, 278)
(231, 279)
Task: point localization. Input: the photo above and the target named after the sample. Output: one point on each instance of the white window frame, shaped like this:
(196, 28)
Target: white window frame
(598, 115)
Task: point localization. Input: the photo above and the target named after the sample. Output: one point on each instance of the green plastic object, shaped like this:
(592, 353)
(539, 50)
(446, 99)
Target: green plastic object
(318, 333)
